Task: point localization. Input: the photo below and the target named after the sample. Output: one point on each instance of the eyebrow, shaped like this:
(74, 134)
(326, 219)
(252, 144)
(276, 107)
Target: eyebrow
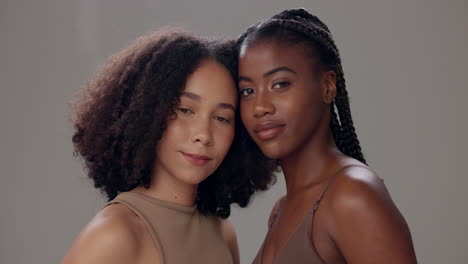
(198, 98)
(275, 70)
(227, 106)
(192, 96)
(268, 73)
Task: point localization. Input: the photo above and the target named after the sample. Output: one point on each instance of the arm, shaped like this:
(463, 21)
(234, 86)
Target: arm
(229, 235)
(365, 224)
(108, 238)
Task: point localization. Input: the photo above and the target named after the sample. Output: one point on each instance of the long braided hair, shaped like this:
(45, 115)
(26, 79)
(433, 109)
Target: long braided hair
(299, 26)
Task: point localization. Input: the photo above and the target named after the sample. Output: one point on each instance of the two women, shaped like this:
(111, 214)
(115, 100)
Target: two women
(162, 117)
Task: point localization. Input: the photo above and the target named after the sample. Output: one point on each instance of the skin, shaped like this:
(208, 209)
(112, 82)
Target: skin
(285, 107)
(203, 125)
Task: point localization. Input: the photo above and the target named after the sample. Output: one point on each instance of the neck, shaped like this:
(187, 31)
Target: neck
(168, 188)
(312, 163)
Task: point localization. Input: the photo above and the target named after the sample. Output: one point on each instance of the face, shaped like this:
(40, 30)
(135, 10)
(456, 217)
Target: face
(283, 98)
(199, 136)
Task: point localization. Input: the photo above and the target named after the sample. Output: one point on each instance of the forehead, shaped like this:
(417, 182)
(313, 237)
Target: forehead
(212, 81)
(272, 53)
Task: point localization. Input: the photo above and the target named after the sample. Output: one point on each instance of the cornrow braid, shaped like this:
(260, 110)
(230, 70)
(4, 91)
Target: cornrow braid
(298, 25)
(300, 13)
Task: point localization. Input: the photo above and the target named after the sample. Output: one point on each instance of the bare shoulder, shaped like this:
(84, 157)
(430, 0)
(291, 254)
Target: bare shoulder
(359, 191)
(364, 222)
(229, 235)
(355, 185)
(112, 236)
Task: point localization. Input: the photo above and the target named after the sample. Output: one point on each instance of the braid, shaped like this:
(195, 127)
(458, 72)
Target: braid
(349, 141)
(301, 14)
(298, 25)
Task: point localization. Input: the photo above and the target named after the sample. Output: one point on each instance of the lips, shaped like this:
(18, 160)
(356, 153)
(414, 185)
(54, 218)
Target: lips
(268, 129)
(195, 159)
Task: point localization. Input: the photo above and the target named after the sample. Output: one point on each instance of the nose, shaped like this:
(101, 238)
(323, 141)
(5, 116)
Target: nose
(263, 106)
(202, 133)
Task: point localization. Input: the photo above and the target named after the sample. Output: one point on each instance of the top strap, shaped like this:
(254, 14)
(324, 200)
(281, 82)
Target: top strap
(331, 180)
(278, 206)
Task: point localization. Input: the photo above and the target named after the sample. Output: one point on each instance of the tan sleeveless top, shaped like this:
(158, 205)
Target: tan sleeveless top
(299, 248)
(182, 234)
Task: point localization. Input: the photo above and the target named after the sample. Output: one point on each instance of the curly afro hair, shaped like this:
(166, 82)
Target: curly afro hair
(121, 115)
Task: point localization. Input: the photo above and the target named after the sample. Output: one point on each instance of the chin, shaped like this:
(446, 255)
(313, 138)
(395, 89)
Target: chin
(273, 151)
(193, 178)
(274, 156)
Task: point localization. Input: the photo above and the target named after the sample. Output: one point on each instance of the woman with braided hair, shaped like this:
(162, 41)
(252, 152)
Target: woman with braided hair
(160, 134)
(295, 106)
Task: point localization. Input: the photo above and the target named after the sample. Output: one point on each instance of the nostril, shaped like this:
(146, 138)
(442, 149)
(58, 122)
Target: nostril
(263, 110)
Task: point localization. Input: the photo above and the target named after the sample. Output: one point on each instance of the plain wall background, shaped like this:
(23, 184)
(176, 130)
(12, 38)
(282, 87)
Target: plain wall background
(405, 63)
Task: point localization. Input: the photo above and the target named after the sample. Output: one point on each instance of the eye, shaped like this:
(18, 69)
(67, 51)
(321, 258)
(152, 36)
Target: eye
(246, 92)
(184, 110)
(222, 119)
(279, 85)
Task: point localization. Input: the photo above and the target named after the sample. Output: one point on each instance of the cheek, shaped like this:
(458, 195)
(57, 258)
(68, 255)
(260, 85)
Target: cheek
(176, 130)
(302, 103)
(306, 117)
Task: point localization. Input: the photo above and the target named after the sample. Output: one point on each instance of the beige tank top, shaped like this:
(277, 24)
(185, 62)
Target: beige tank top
(299, 248)
(182, 234)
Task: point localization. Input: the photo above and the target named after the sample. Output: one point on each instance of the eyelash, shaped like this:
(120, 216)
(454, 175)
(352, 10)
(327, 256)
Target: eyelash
(223, 119)
(282, 84)
(184, 110)
(187, 111)
(242, 92)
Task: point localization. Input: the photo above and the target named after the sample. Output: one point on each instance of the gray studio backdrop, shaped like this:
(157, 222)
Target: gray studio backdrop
(405, 64)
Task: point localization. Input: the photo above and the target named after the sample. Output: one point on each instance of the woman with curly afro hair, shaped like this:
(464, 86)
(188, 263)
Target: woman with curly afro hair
(159, 132)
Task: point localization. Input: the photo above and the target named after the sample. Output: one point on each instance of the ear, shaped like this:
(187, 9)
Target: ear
(328, 85)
